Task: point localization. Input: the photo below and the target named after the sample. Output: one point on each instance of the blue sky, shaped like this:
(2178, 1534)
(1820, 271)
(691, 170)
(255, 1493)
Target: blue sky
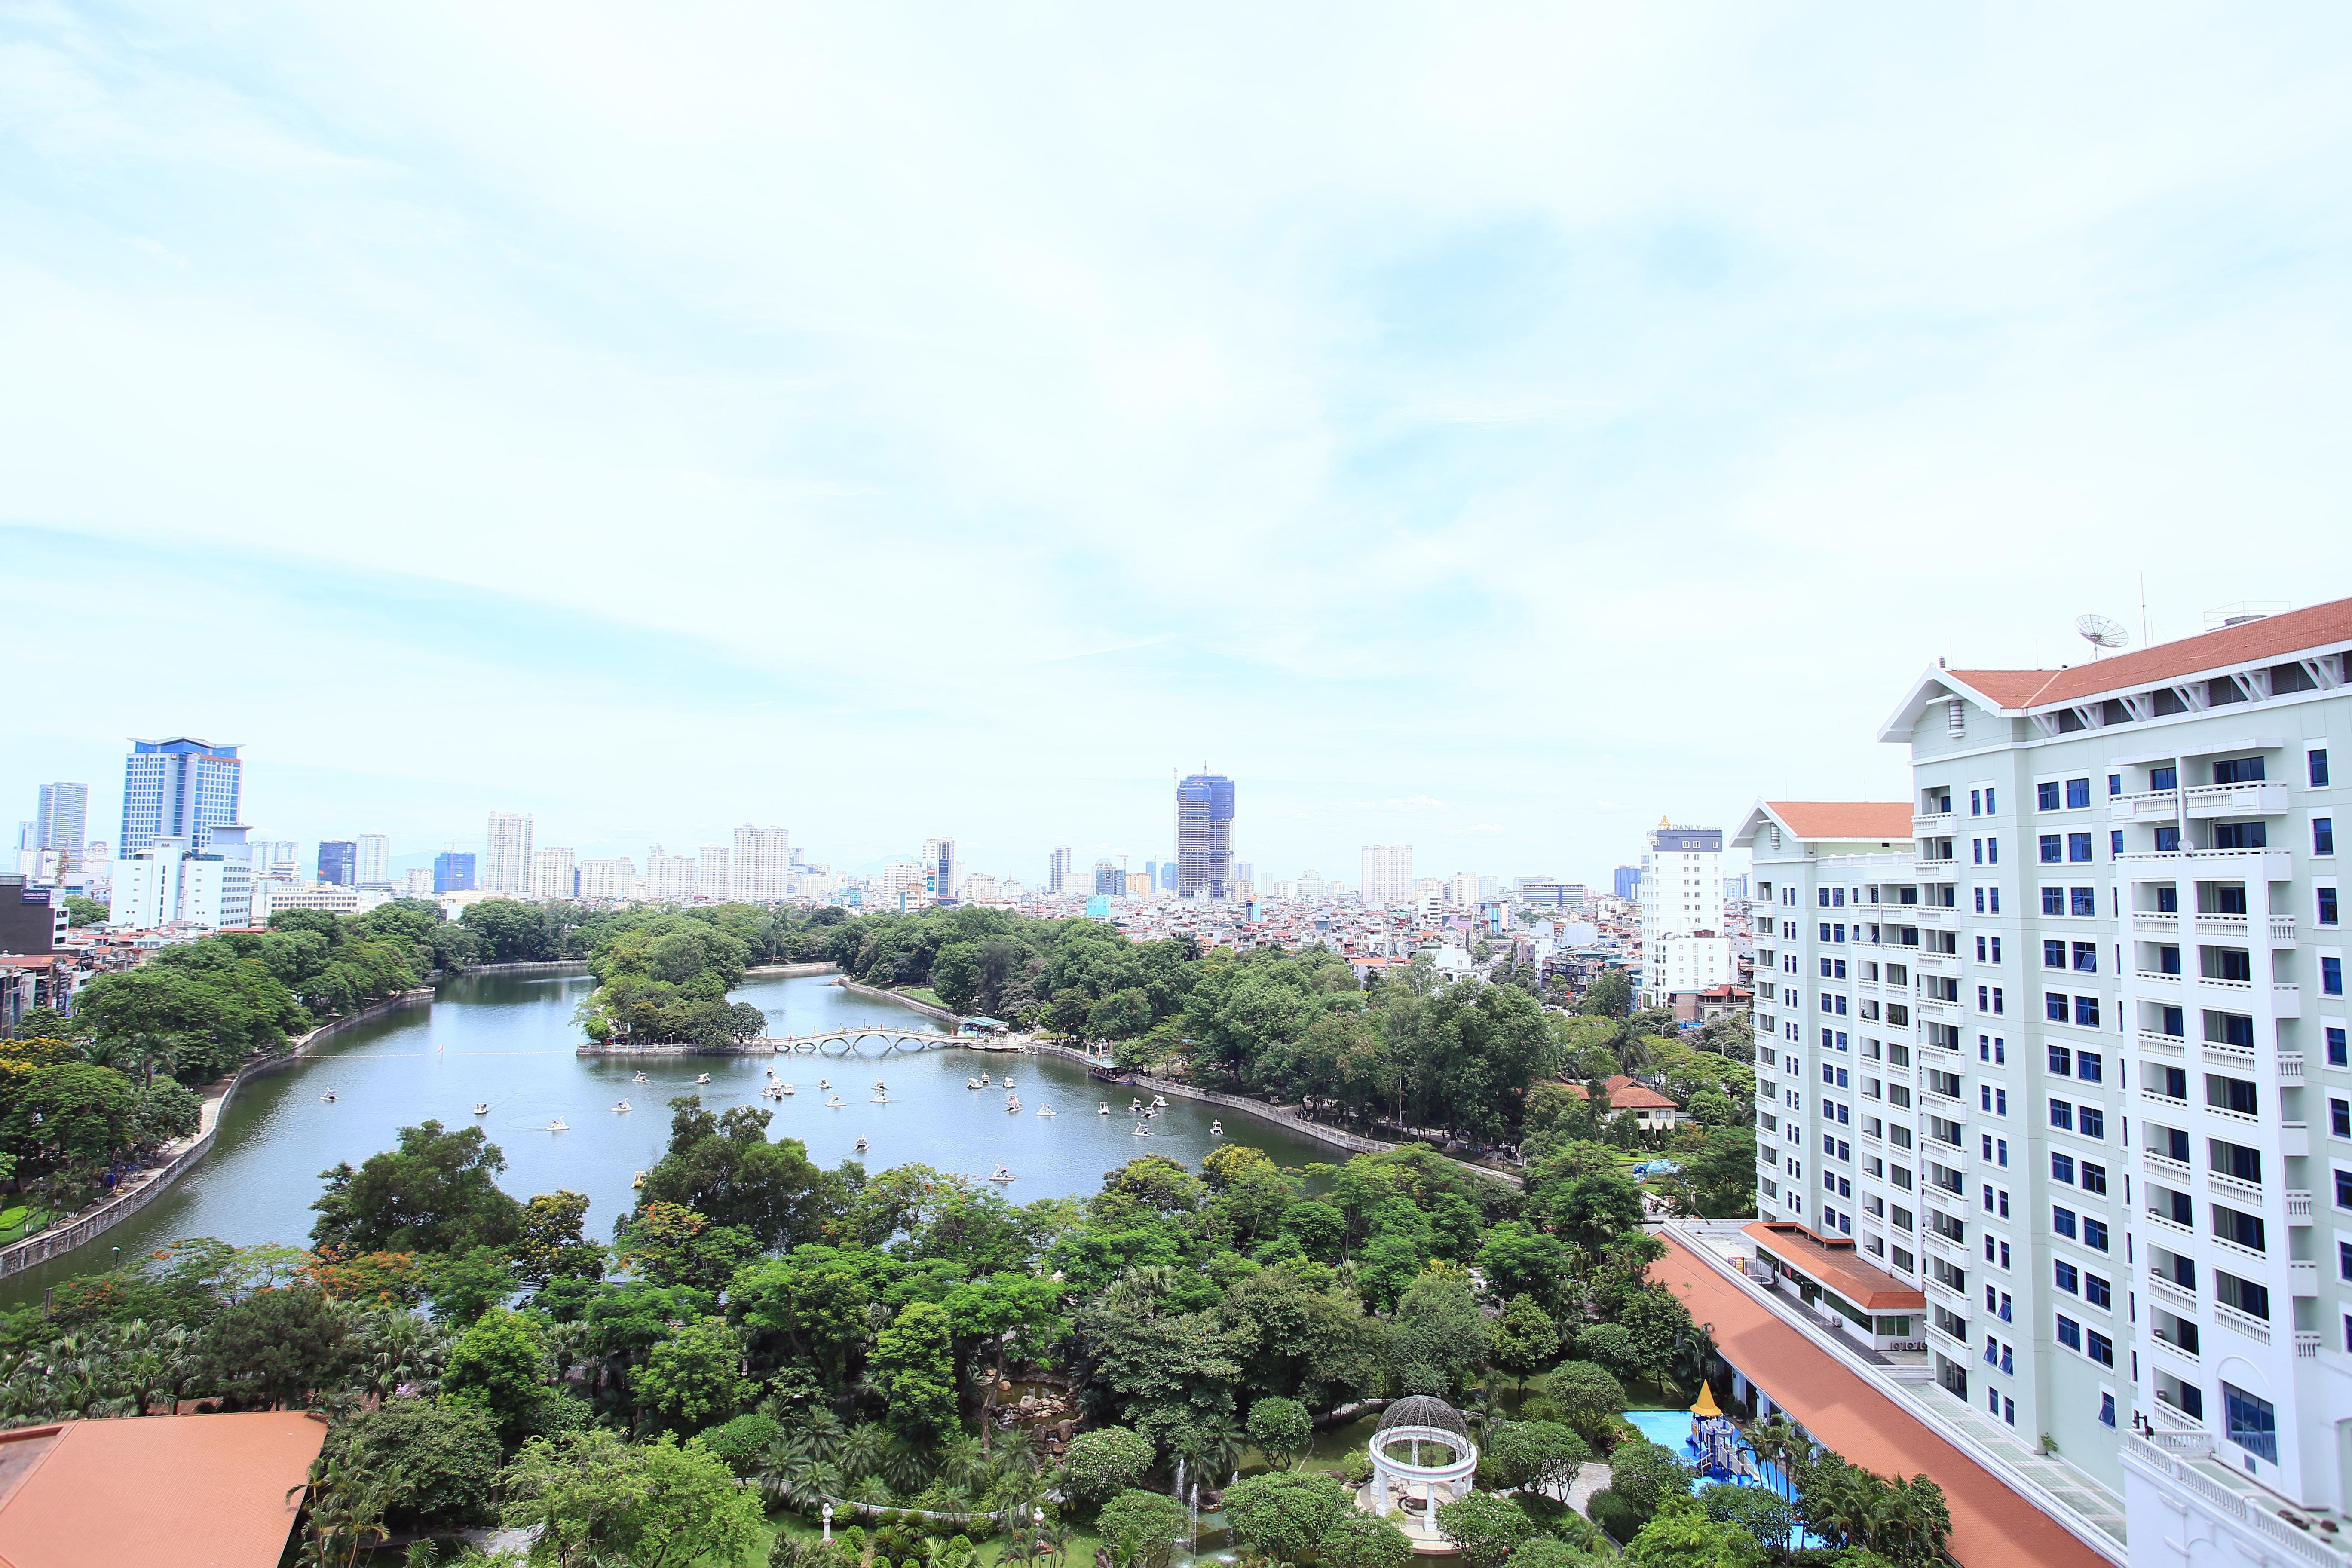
(1482, 428)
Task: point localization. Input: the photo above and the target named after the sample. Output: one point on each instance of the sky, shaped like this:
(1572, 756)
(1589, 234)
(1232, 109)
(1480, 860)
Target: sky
(1485, 427)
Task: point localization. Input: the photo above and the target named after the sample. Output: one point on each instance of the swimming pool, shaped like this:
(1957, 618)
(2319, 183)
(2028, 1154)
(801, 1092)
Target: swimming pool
(1670, 1430)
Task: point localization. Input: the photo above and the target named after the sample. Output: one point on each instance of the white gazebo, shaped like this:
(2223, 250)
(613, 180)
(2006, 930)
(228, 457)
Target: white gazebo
(1407, 1463)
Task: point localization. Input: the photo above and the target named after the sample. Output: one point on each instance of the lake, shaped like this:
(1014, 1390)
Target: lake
(510, 1040)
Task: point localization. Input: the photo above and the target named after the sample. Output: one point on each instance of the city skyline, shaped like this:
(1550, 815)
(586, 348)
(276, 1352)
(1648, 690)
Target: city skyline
(1517, 351)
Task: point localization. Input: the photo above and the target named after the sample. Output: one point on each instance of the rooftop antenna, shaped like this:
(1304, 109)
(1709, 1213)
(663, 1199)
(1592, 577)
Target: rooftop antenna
(2101, 632)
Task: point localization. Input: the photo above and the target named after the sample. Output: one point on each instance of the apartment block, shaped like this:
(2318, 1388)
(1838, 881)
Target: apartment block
(506, 854)
(1684, 947)
(2059, 1044)
(552, 873)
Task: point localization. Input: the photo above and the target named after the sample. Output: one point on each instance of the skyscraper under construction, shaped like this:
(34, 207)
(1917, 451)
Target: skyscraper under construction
(1205, 837)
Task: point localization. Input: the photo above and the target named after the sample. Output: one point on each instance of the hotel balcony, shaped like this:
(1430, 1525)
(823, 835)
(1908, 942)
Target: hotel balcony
(2200, 802)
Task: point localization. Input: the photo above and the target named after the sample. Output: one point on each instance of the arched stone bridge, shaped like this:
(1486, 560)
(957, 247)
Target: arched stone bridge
(857, 1039)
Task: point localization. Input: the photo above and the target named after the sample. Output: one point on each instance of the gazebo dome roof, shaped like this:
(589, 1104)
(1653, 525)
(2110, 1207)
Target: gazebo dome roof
(1425, 1410)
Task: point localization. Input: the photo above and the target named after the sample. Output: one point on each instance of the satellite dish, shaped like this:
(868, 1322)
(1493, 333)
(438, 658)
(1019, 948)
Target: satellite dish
(2101, 632)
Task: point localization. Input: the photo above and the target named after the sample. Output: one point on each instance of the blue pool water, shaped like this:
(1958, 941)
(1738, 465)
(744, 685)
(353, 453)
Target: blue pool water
(1670, 1430)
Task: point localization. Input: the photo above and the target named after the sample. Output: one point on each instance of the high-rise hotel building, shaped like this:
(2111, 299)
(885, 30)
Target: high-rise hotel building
(2060, 1045)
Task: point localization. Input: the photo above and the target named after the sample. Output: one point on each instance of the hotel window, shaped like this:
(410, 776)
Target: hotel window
(2090, 1067)
(2082, 901)
(2061, 1167)
(2078, 793)
(2061, 1114)
(2078, 846)
(2323, 835)
(2331, 976)
(2045, 796)
(2086, 957)
(2091, 1121)
(2053, 954)
(2326, 896)
(2319, 769)
(2052, 846)
(2053, 1006)
(2086, 1012)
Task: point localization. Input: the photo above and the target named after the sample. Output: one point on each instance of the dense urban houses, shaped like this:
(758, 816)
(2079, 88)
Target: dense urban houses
(2057, 1046)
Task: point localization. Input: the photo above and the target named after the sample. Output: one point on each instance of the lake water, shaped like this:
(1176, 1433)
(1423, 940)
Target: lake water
(510, 1040)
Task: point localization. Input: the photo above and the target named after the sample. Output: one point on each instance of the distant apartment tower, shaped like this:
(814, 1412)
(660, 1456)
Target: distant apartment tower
(453, 872)
(416, 883)
(1057, 869)
(1626, 881)
(506, 854)
(1541, 892)
(669, 878)
(1168, 876)
(607, 881)
(1110, 880)
(1385, 875)
(1244, 874)
(552, 875)
(943, 873)
(764, 864)
(338, 860)
(371, 866)
(713, 879)
(1205, 837)
(178, 788)
(62, 824)
(1682, 944)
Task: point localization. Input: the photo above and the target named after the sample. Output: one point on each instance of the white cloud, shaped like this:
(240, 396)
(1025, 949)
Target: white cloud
(1420, 415)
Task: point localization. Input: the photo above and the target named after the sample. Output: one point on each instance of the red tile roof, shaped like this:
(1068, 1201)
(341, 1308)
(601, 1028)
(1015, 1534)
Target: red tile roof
(2271, 639)
(208, 1490)
(1884, 820)
(1837, 1265)
(1624, 1094)
(1992, 1526)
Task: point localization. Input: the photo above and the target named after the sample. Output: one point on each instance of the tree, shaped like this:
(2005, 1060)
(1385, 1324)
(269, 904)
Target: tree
(1588, 1398)
(1281, 1429)
(1438, 1326)
(1596, 1209)
(1610, 1347)
(71, 1118)
(81, 911)
(1105, 1461)
(1767, 1517)
(447, 1455)
(1486, 1528)
(500, 1366)
(464, 1285)
(1357, 1539)
(281, 1346)
(723, 1167)
(1139, 1528)
(1284, 1514)
(1610, 995)
(913, 1364)
(1521, 1260)
(653, 1505)
(1541, 1455)
(436, 1192)
(551, 1243)
(1645, 1475)
(1524, 1338)
(695, 1375)
(1683, 1537)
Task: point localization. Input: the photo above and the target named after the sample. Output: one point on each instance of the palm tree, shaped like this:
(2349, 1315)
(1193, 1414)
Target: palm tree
(348, 1501)
(859, 1452)
(796, 1471)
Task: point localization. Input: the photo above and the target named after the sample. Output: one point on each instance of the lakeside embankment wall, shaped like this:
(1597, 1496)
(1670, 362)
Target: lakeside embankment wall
(93, 1222)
